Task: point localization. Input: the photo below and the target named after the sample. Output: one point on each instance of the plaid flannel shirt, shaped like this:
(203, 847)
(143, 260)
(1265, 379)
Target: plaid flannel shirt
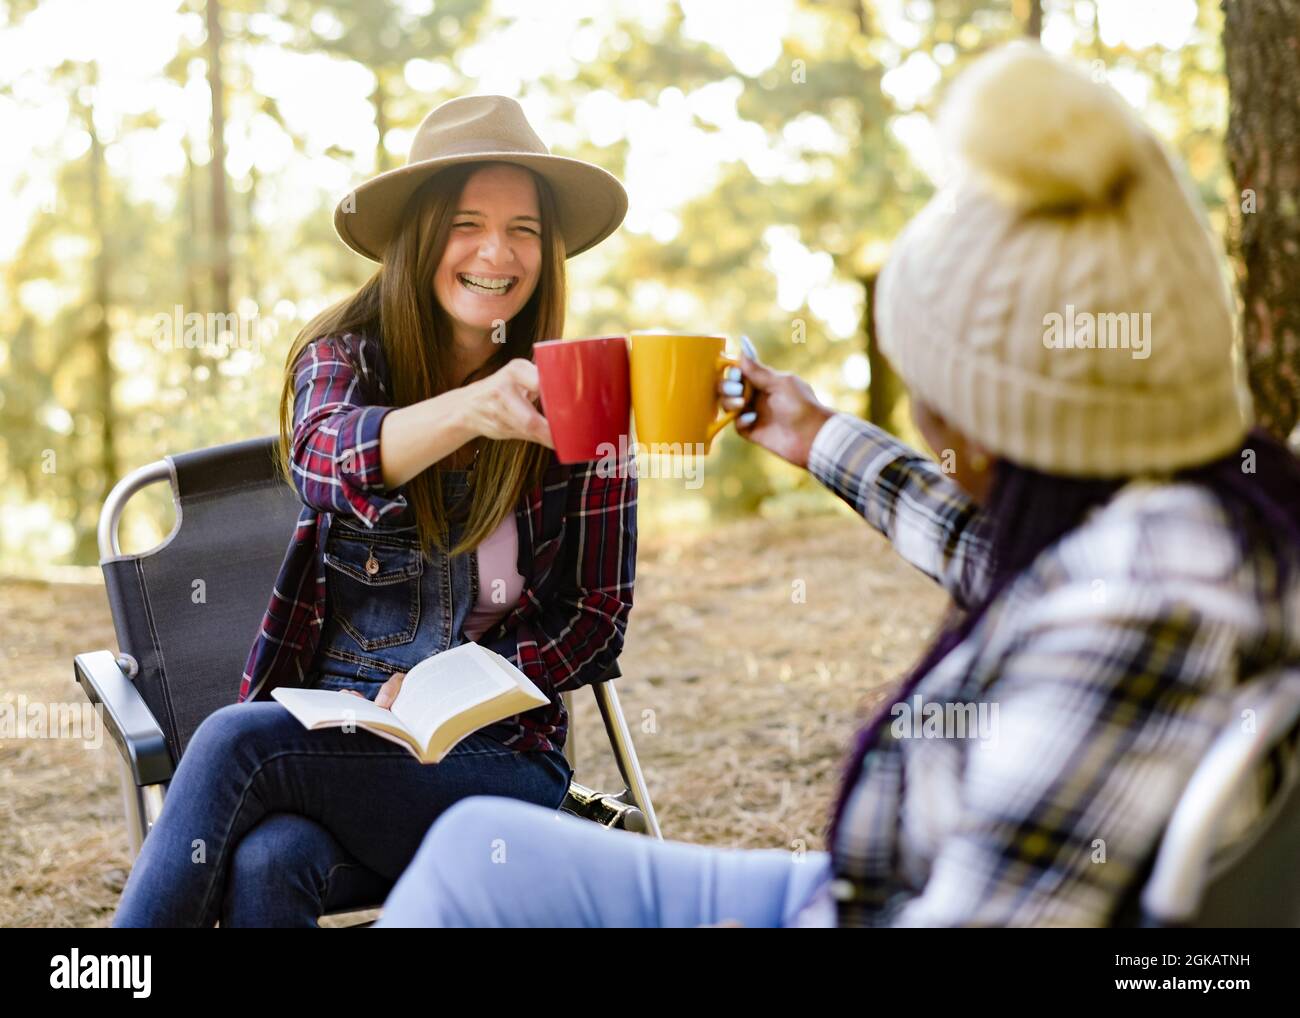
(577, 546)
(1105, 669)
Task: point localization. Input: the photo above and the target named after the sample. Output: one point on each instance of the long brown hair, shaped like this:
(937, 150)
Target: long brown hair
(397, 306)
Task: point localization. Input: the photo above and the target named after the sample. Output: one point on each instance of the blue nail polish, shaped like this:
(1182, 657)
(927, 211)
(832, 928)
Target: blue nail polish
(745, 420)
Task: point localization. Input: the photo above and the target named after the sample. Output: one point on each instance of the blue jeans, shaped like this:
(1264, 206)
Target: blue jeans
(268, 824)
(494, 862)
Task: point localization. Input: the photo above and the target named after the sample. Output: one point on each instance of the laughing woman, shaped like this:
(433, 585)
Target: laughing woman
(434, 513)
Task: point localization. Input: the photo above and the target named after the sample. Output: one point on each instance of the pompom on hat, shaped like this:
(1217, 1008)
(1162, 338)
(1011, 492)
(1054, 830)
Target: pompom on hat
(591, 202)
(1063, 302)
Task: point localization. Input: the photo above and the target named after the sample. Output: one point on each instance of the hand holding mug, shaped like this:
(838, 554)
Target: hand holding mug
(783, 415)
(501, 406)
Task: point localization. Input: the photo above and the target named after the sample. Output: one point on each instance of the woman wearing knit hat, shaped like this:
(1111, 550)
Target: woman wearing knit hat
(1125, 548)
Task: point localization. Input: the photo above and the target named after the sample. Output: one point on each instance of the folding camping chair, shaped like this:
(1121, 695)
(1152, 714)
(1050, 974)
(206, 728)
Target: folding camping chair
(178, 661)
(1194, 882)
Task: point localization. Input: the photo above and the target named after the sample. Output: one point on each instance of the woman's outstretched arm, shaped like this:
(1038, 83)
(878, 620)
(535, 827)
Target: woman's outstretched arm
(927, 517)
(351, 457)
(929, 520)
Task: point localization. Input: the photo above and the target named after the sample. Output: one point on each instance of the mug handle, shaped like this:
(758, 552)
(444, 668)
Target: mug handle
(723, 362)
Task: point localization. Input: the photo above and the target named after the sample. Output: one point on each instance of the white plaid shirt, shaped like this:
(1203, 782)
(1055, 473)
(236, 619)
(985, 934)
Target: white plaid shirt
(1104, 670)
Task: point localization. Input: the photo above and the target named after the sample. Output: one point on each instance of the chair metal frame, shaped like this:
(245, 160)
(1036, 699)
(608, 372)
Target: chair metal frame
(1190, 859)
(144, 759)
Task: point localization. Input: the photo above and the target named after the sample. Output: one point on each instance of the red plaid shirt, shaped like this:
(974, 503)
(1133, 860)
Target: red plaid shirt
(577, 546)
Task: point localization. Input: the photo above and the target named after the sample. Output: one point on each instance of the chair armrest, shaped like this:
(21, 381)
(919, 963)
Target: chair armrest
(130, 721)
(1185, 862)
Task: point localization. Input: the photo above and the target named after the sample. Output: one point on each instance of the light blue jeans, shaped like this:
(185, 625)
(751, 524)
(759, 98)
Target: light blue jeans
(491, 861)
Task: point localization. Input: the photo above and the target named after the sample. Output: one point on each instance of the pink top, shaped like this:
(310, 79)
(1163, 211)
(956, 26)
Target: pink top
(499, 582)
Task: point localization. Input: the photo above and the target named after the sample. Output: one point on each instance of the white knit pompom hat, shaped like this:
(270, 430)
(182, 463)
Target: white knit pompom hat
(1062, 302)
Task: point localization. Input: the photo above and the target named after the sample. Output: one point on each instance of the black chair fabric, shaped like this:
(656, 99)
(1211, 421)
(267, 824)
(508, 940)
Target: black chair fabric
(189, 610)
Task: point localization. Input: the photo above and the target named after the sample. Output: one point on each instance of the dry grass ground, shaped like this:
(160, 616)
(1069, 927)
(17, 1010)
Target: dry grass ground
(752, 653)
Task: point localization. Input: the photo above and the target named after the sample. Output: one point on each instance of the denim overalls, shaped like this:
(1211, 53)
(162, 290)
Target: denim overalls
(388, 605)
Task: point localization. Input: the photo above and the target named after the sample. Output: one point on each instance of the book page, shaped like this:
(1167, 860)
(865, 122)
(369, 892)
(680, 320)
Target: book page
(445, 685)
(314, 706)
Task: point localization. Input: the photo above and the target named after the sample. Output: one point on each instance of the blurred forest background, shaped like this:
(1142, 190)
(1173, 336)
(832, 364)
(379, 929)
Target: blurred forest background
(171, 157)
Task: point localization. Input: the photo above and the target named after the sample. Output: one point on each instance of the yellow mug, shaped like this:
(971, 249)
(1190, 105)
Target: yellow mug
(674, 389)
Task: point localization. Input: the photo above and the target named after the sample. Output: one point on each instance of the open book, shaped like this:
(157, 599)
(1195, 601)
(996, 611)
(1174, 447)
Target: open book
(443, 699)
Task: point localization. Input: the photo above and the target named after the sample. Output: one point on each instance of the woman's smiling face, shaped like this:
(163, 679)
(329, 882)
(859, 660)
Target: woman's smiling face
(493, 257)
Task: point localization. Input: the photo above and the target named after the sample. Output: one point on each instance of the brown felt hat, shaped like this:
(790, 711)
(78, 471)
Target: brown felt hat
(480, 128)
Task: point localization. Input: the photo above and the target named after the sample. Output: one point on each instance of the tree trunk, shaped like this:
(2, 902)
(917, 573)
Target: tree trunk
(1030, 12)
(220, 212)
(1261, 42)
(885, 388)
(379, 97)
(191, 252)
(99, 333)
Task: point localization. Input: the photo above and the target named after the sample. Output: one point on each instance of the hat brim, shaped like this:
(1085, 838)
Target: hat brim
(590, 201)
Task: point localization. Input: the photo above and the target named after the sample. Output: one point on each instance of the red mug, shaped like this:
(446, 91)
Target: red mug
(586, 395)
